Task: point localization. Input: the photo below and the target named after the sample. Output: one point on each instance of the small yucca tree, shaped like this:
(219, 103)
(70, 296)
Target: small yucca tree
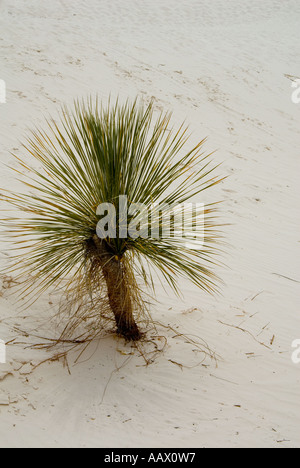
(90, 161)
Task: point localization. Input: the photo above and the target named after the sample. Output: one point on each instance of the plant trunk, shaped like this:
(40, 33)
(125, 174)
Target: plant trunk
(118, 292)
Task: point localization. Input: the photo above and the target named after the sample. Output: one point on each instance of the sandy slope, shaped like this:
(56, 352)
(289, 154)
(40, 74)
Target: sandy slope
(222, 66)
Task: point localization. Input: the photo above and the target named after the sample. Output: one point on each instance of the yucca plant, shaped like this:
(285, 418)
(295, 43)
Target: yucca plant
(93, 159)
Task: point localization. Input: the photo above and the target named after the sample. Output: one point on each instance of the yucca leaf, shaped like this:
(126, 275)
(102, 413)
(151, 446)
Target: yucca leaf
(94, 155)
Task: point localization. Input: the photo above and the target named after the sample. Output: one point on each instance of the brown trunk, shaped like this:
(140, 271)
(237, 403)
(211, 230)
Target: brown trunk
(118, 292)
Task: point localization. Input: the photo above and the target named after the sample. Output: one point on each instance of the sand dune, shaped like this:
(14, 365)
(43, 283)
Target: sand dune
(227, 68)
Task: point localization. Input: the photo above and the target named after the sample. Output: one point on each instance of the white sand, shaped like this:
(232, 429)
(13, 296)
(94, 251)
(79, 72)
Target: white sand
(220, 65)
